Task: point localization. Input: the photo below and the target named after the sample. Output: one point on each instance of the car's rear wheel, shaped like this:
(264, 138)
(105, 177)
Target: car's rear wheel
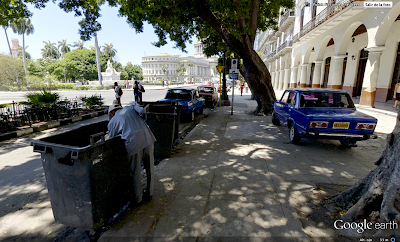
(274, 119)
(293, 135)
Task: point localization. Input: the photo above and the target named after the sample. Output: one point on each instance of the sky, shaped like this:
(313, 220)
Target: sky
(52, 23)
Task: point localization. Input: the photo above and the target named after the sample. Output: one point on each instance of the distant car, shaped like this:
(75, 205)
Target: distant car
(189, 98)
(190, 82)
(209, 94)
(206, 83)
(322, 114)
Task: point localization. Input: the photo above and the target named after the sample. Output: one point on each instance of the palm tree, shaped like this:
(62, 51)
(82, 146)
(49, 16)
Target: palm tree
(23, 26)
(50, 50)
(109, 50)
(63, 46)
(79, 44)
(9, 47)
(21, 52)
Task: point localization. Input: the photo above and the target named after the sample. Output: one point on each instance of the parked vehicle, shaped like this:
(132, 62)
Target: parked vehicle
(209, 94)
(206, 83)
(189, 98)
(322, 114)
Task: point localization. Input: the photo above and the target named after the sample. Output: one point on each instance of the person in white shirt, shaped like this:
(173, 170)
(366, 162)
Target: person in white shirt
(129, 122)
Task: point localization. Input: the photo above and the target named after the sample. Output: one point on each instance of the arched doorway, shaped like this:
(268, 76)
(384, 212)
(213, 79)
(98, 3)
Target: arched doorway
(360, 73)
(326, 73)
(396, 74)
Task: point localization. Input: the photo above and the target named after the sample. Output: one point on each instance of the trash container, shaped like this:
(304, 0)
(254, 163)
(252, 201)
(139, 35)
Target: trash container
(87, 177)
(163, 120)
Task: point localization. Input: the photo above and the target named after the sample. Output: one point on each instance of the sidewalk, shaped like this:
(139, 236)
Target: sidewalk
(237, 178)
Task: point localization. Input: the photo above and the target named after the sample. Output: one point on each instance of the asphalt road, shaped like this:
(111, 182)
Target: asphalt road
(108, 95)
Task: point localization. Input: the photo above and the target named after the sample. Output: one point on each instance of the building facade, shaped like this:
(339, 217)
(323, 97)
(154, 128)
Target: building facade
(163, 67)
(344, 44)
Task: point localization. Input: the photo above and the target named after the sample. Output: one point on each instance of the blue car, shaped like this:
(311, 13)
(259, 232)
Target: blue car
(322, 114)
(188, 98)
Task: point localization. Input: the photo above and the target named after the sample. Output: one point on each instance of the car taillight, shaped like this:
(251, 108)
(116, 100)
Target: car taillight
(368, 126)
(318, 124)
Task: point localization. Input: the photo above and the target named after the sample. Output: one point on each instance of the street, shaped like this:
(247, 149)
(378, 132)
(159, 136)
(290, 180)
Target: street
(26, 209)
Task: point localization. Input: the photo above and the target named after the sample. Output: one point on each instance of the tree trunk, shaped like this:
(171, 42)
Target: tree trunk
(379, 190)
(24, 58)
(9, 48)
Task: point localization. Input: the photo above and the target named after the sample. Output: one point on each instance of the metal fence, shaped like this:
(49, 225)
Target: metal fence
(15, 115)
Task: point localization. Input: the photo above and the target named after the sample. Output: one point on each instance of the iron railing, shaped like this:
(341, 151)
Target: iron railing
(285, 44)
(15, 115)
(270, 55)
(324, 15)
(286, 16)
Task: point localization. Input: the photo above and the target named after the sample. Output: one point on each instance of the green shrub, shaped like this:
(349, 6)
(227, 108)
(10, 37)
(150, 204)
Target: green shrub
(64, 86)
(42, 99)
(82, 88)
(92, 101)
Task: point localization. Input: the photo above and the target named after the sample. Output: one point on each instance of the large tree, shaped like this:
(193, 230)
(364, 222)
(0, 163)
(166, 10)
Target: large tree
(63, 46)
(109, 50)
(9, 67)
(50, 50)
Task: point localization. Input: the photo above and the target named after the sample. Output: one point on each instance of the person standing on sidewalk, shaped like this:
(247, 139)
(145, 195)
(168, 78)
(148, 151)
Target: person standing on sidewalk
(140, 92)
(136, 91)
(129, 122)
(241, 90)
(396, 95)
(118, 92)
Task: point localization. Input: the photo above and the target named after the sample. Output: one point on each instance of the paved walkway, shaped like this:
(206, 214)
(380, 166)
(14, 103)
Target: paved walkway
(237, 178)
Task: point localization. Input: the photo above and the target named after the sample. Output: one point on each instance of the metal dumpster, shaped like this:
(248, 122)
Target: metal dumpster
(163, 120)
(87, 177)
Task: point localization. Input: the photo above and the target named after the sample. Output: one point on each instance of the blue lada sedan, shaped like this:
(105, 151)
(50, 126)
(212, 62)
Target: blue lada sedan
(322, 114)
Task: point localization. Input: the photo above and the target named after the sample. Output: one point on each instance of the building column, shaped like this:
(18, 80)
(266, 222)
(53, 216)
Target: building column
(273, 79)
(281, 76)
(371, 76)
(303, 79)
(316, 81)
(337, 72)
(293, 77)
(276, 80)
(287, 79)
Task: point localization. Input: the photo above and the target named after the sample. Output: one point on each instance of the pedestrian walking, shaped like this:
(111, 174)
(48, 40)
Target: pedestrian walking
(129, 122)
(241, 90)
(162, 83)
(127, 84)
(246, 87)
(118, 93)
(396, 95)
(136, 91)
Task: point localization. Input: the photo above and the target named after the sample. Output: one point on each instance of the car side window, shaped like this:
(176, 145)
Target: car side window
(292, 98)
(285, 97)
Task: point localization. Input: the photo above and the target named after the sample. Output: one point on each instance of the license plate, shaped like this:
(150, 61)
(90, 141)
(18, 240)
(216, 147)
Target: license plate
(338, 125)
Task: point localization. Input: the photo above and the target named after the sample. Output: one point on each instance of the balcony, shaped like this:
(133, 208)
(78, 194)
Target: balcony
(287, 44)
(287, 19)
(329, 17)
(270, 55)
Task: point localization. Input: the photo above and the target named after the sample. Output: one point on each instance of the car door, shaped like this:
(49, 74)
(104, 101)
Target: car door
(287, 109)
(278, 106)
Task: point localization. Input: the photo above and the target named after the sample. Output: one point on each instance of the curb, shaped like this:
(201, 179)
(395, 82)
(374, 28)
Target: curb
(50, 125)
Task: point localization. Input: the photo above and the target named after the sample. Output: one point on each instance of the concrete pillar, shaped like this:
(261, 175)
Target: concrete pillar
(276, 79)
(337, 72)
(303, 79)
(316, 81)
(293, 77)
(371, 76)
(287, 79)
(273, 79)
(281, 76)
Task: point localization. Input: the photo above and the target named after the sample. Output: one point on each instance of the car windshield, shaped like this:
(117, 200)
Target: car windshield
(325, 100)
(178, 94)
(206, 89)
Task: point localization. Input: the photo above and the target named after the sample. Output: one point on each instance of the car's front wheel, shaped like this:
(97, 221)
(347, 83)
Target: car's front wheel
(201, 109)
(274, 119)
(293, 135)
(191, 116)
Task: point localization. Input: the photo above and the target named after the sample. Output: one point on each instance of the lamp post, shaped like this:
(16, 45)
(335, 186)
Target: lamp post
(224, 94)
(65, 79)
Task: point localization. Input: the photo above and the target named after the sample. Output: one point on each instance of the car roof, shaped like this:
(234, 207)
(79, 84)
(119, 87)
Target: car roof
(316, 90)
(182, 88)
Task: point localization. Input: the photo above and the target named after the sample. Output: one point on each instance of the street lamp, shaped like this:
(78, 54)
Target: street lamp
(65, 80)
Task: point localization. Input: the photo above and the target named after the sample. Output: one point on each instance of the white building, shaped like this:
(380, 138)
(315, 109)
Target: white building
(110, 74)
(342, 45)
(163, 66)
